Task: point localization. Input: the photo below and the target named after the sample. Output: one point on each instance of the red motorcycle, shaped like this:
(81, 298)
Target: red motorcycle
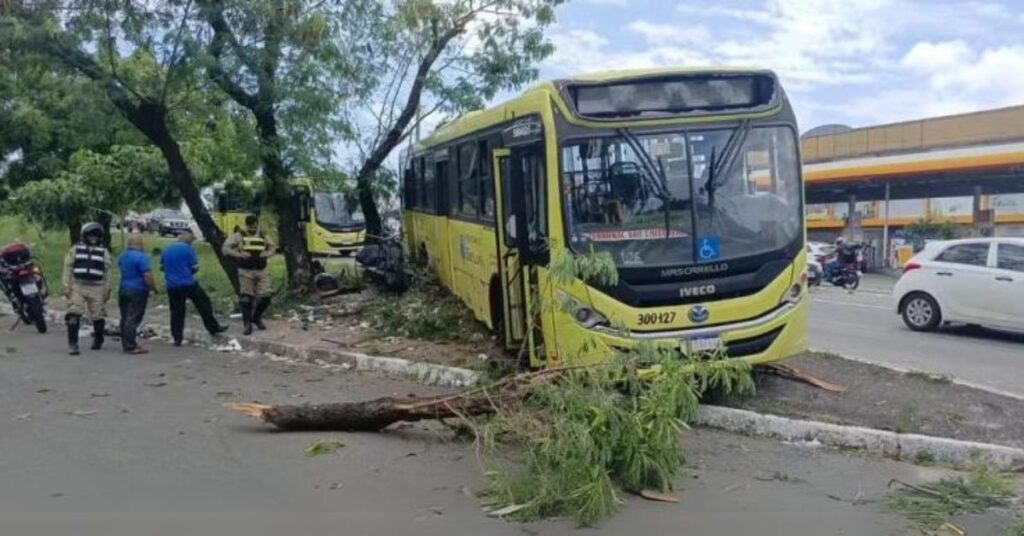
(24, 285)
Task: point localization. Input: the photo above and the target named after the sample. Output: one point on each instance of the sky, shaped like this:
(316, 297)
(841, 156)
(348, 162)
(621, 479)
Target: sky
(855, 62)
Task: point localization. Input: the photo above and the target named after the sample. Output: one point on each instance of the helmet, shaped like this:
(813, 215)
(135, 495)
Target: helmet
(92, 228)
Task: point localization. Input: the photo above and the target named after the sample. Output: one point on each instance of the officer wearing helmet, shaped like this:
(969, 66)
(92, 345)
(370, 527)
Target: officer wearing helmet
(250, 249)
(86, 285)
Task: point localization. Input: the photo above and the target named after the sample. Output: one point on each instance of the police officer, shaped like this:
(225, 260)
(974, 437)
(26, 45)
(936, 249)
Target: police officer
(250, 248)
(86, 284)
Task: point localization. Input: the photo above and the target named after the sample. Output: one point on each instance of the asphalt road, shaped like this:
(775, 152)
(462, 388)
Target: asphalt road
(111, 445)
(864, 325)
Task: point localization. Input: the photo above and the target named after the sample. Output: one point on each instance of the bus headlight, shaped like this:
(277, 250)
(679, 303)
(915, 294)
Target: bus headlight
(794, 294)
(589, 318)
(584, 315)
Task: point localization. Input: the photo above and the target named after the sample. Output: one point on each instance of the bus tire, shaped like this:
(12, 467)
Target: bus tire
(422, 257)
(497, 309)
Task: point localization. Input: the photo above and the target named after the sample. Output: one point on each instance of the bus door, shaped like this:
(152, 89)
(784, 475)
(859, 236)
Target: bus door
(516, 174)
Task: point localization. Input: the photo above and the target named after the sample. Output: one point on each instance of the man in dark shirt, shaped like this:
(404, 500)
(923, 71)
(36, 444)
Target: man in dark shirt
(179, 264)
(133, 292)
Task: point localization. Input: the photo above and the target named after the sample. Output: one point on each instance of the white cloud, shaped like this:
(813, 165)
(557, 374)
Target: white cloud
(927, 57)
(661, 34)
(619, 3)
(854, 61)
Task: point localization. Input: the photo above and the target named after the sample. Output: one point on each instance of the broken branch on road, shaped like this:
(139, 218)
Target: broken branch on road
(564, 441)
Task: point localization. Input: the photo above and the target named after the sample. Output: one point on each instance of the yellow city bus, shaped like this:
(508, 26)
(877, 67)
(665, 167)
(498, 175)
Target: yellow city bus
(331, 226)
(689, 178)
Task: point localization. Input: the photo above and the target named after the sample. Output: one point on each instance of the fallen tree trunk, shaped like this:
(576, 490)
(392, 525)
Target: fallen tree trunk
(366, 416)
(377, 414)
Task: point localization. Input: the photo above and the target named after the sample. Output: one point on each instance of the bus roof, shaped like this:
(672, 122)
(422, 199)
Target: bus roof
(477, 119)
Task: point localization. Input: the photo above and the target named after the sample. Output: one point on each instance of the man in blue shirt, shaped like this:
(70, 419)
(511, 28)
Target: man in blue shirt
(133, 293)
(179, 264)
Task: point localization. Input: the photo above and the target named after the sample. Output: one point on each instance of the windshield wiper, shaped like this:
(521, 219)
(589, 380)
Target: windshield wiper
(724, 162)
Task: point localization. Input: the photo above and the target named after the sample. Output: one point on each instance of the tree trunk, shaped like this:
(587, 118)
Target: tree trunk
(104, 219)
(367, 416)
(152, 121)
(74, 230)
(297, 260)
(374, 225)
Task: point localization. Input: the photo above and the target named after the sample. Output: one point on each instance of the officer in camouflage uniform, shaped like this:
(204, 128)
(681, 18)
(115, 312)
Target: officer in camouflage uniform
(86, 284)
(250, 248)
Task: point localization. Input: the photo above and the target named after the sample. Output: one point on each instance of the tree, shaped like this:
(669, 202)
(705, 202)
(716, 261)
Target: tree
(96, 186)
(277, 59)
(137, 54)
(425, 57)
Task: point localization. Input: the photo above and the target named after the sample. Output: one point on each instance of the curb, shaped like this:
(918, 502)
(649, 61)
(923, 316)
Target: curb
(901, 370)
(882, 442)
(425, 373)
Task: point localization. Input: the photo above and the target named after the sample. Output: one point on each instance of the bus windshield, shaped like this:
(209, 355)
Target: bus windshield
(331, 210)
(682, 197)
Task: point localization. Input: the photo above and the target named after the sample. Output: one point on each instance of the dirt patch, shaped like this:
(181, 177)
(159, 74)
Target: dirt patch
(877, 397)
(344, 322)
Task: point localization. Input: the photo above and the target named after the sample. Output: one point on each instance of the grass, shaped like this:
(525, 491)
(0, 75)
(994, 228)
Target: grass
(904, 419)
(929, 507)
(924, 457)
(929, 377)
(1017, 529)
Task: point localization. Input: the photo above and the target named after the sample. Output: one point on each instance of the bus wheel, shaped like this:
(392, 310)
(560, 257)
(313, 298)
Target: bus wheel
(422, 257)
(497, 310)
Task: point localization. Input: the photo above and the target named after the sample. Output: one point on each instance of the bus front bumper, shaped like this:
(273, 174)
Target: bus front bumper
(771, 336)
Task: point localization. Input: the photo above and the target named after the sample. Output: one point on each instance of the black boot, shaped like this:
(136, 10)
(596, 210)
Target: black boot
(245, 304)
(72, 322)
(97, 333)
(257, 313)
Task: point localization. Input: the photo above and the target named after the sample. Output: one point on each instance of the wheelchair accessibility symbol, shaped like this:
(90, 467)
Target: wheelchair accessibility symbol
(708, 248)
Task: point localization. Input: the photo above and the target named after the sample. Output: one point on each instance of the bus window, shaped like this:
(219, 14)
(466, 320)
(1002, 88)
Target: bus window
(486, 184)
(468, 189)
(409, 187)
(428, 198)
(536, 201)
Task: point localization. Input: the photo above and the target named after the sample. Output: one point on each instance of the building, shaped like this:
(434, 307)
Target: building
(869, 183)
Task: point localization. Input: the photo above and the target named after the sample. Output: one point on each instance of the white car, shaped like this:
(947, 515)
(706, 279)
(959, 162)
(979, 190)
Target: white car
(971, 281)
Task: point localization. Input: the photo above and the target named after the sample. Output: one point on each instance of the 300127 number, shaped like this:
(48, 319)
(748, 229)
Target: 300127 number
(647, 319)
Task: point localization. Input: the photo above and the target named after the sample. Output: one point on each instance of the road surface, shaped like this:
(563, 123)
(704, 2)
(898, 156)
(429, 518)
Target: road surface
(864, 325)
(108, 444)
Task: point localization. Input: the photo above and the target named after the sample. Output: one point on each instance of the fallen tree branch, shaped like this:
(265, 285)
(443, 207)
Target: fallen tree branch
(377, 414)
(793, 373)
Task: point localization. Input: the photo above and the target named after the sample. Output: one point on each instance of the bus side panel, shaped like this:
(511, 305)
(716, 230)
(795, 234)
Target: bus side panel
(433, 236)
(409, 222)
(473, 261)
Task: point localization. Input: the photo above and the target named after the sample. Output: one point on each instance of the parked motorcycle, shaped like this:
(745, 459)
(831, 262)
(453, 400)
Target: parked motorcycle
(24, 285)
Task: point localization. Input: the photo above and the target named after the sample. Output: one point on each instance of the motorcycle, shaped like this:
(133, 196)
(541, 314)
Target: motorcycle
(846, 276)
(382, 262)
(24, 284)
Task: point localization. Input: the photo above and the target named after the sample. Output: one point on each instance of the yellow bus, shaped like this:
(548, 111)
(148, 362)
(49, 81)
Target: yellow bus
(331, 226)
(689, 178)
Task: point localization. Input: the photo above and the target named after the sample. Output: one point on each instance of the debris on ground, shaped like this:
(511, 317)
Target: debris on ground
(323, 446)
(585, 433)
(931, 506)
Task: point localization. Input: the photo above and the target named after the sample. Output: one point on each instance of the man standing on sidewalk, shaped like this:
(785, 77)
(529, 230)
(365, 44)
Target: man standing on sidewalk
(179, 264)
(250, 249)
(86, 282)
(133, 294)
